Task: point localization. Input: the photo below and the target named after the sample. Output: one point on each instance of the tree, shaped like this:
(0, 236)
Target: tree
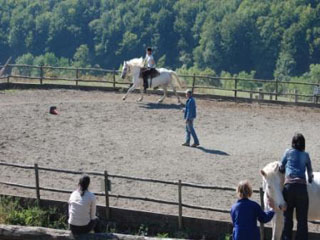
(81, 57)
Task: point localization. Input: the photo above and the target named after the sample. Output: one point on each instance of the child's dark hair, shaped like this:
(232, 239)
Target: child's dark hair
(84, 182)
(298, 142)
(149, 49)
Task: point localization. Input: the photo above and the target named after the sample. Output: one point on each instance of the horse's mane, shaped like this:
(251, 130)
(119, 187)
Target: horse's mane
(271, 168)
(138, 62)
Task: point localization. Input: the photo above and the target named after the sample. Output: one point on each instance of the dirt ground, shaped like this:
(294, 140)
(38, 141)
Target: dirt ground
(97, 131)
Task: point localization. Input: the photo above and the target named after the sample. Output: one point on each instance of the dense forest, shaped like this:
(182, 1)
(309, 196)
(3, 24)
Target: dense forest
(264, 38)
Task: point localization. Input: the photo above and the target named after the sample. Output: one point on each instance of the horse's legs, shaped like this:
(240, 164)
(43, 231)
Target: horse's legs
(164, 94)
(141, 93)
(175, 92)
(277, 225)
(129, 91)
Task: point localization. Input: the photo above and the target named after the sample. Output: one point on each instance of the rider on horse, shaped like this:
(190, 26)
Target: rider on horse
(150, 70)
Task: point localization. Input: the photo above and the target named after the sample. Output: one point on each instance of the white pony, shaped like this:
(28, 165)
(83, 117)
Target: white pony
(273, 182)
(166, 77)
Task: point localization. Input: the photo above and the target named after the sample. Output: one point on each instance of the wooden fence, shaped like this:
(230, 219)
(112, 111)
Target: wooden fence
(107, 193)
(286, 90)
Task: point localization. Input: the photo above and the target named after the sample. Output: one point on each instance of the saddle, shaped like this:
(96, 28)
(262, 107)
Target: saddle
(146, 73)
(149, 72)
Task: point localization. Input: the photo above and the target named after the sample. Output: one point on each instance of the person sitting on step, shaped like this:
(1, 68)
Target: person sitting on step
(82, 209)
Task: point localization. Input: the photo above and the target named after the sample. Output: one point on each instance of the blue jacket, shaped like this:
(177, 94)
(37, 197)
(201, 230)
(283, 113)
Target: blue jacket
(190, 110)
(295, 163)
(244, 214)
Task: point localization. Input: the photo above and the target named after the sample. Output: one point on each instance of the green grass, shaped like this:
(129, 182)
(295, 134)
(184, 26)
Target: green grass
(11, 212)
(227, 237)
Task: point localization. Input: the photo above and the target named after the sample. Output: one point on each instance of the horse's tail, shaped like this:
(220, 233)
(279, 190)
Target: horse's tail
(176, 77)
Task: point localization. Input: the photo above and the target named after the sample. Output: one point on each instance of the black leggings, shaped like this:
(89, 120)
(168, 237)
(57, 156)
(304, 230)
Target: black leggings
(148, 72)
(296, 196)
(94, 224)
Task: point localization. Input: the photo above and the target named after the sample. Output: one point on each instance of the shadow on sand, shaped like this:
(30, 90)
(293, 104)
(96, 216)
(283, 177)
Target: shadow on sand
(161, 106)
(213, 151)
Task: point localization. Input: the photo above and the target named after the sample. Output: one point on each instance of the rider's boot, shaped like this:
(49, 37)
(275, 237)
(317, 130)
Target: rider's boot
(145, 84)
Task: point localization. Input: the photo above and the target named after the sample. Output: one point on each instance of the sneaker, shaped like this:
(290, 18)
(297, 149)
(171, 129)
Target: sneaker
(185, 144)
(195, 145)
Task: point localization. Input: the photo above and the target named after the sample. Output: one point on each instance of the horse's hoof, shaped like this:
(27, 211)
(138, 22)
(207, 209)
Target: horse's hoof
(139, 100)
(123, 98)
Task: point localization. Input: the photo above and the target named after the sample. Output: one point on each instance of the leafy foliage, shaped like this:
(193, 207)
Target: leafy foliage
(273, 38)
(11, 212)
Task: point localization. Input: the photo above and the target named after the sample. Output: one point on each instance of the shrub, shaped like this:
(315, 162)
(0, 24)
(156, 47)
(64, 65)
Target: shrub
(11, 212)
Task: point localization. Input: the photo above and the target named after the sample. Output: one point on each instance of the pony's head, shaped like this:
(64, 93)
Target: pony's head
(130, 67)
(273, 181)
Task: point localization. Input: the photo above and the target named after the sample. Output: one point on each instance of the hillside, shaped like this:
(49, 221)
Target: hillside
(272, 38)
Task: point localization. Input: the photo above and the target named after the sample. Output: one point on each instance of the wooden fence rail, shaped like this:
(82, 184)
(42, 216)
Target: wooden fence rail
(107, 195)
(196, 83)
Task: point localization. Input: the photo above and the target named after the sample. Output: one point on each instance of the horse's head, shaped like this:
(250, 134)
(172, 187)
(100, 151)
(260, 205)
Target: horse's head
(125, 70)
(132, 67)
(273, 182)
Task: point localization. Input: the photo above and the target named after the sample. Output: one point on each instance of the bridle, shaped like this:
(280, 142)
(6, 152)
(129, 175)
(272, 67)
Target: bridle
(270, 199)
(126, 71)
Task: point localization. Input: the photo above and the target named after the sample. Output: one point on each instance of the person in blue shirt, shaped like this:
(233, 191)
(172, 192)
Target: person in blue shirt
(294, 163)
(245, 213)
(190, 114)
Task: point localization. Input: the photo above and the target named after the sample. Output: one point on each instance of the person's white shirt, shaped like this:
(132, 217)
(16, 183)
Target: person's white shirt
(150, 61)
(82, 209)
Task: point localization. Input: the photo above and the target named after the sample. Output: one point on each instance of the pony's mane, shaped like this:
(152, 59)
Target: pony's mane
(138, 62)
(271, 168)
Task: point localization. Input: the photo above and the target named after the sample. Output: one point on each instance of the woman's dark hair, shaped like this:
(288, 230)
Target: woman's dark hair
(298, 142)
(84, 182)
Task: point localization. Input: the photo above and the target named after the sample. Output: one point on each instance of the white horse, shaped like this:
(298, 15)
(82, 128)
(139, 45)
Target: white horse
(166, 77)
(273, 183)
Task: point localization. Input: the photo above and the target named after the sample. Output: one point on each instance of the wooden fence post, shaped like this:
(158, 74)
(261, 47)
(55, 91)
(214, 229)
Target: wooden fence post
(106, 190)
(41, 74)
(276, 93)
(235, 88)
(261, 95)
(114, 79)
(77, 76)
(8, 79)
(296, 97)
(180, 204)
(36, 171)
(193, 82)
(262, 206)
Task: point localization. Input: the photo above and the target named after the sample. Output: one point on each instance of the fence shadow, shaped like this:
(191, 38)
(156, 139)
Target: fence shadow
(213, 151)
(161, 106)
